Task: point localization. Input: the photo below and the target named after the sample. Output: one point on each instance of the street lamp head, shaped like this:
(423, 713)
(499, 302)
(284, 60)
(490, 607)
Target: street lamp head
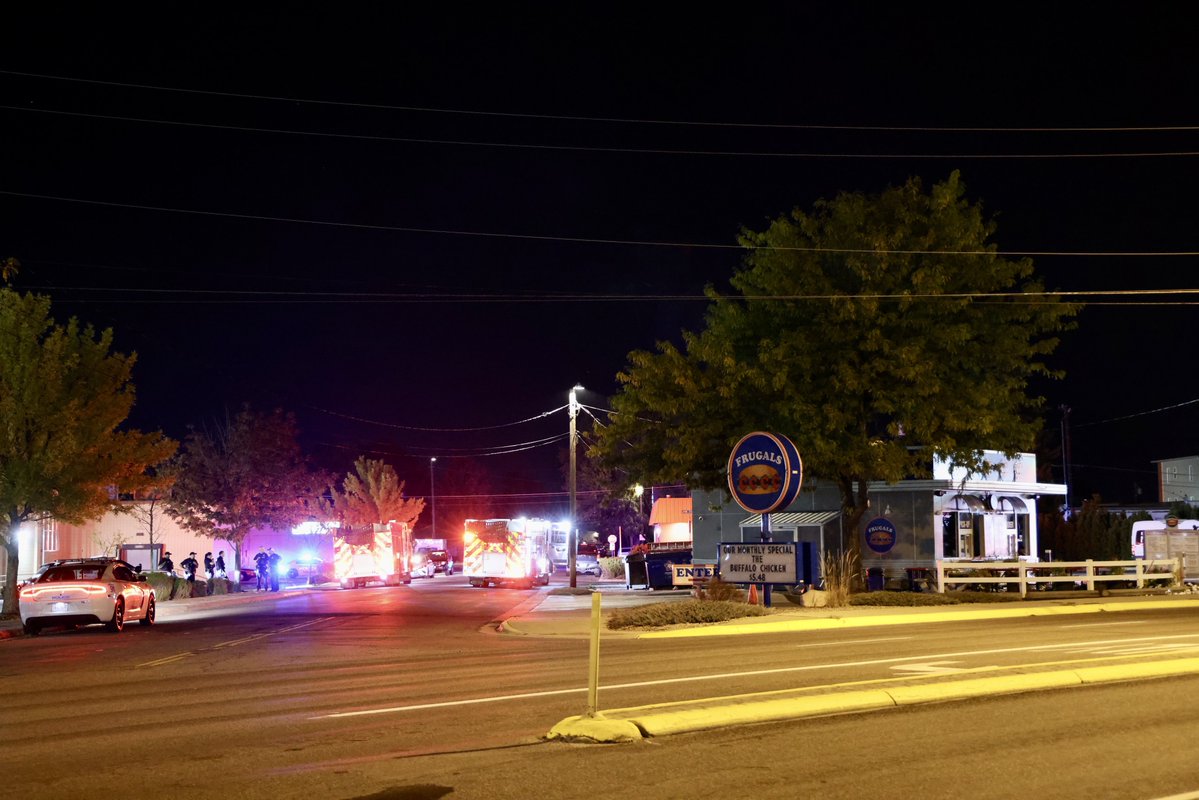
(431, 460)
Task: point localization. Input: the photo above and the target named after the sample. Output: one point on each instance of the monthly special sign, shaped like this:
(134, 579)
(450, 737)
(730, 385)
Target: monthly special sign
(765, 472)
(768, 562)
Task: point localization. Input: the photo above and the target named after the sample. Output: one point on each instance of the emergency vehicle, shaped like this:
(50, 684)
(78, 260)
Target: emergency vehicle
(513, 552)
(371, 554)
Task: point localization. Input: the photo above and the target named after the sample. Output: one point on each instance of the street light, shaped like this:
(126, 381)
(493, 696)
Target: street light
(432, 498)
(573, 539)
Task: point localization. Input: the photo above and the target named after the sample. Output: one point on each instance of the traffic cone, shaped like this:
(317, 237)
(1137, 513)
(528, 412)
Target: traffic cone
(753, 594)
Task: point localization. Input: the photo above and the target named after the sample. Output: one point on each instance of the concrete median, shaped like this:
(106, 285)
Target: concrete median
(720, 712)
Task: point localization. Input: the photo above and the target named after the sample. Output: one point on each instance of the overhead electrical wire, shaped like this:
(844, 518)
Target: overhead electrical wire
(620, 120)
(597, 149)
(589, 240)
(534, 418)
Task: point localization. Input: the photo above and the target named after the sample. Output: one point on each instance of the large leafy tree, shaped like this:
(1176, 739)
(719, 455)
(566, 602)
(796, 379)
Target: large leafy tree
(374, 493)
(244, 473)
(63, 396)
(874, 330)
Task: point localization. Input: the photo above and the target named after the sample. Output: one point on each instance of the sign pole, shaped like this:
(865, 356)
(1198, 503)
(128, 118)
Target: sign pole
(766, 538)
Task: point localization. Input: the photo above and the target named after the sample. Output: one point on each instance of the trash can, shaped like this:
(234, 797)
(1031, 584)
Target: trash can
(875, 582)
(635, 574)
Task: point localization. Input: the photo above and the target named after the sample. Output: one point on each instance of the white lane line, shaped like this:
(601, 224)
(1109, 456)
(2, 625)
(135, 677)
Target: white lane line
(167, 660)
(1105, 624)
(746, 674)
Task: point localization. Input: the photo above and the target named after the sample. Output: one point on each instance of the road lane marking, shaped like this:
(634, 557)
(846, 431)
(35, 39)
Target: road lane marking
(232, 643)
(930, 668)
(775, 671)
(1105, 624)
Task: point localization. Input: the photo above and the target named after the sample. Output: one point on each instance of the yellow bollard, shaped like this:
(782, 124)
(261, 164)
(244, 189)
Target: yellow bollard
(593, 658)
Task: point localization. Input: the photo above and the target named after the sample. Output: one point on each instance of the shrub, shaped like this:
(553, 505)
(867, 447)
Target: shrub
(612, 566)
(930, 598)
(716, 589)
(162, 584)
(690, 612)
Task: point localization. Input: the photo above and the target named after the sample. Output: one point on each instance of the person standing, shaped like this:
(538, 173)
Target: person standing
(165, 564)
(220, 565)
(190, 565)
(273, 560)
(262, 564)
(209, 572)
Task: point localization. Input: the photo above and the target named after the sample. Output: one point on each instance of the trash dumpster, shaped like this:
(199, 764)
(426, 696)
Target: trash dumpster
(875, 581)
(652, 570)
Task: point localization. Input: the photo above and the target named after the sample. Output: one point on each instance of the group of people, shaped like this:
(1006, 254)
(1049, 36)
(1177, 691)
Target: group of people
(267, 563)
(213, 567)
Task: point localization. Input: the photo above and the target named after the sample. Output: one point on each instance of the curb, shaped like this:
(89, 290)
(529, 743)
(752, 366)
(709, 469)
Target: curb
(720, 712)
(829, 623)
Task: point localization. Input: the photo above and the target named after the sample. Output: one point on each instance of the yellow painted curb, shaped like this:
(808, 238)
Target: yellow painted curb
(1149, 669)
(667, 722)
(596, 729)
(977, 687)
(836, 623)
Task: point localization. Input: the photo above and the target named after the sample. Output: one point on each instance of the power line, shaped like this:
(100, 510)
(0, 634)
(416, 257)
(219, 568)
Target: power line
(587, 240)
(621, 120)
(393, 297)
(534, 418)
(596, 149)
(1138, 414)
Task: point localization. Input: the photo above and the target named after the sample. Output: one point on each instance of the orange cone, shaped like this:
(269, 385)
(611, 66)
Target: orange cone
(753, 594)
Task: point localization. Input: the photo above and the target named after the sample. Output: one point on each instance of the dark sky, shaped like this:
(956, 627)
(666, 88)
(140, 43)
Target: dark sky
(376, 309)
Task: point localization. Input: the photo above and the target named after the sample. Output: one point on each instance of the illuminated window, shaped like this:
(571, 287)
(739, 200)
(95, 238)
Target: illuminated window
(47, 530)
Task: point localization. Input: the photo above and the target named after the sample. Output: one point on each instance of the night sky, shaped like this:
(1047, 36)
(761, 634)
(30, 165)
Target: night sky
(392, 225)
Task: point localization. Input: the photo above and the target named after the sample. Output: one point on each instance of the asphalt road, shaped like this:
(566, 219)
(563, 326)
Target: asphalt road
(351, 693)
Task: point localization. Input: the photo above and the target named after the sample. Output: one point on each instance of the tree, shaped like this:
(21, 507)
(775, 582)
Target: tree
(606, 502)
(245, 473)
(874, 331)
(373, 493)
(63, 397)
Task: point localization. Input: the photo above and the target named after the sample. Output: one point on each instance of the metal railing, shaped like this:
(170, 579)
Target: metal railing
(1026, 573)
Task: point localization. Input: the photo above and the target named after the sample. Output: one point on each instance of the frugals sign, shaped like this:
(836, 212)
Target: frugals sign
(765, 472)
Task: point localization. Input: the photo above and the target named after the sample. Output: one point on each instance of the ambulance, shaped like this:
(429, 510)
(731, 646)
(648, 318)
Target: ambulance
(365, 554)
(507, 552)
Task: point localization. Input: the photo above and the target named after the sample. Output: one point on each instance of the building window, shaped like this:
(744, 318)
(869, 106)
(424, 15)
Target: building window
(47, 530)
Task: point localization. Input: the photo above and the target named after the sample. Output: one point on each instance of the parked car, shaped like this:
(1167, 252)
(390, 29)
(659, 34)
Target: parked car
(423, 565)
(86, 591)
(442, 561)
(587, 564)
(305, 568)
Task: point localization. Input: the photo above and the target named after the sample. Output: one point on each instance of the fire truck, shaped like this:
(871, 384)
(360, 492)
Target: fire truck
(367, 554)
(507, 552)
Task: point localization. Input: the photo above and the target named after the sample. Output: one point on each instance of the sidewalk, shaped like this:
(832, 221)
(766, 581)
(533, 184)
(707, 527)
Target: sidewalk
(12, 627)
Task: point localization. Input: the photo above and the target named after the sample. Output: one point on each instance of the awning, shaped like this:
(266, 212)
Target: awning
(670, 511)
(801, 519)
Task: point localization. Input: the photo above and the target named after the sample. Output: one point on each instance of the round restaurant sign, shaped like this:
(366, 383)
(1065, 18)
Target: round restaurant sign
(880, 535)
(765, 472)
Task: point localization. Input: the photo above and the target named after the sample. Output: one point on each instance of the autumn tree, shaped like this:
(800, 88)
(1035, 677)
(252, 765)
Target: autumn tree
(244, 473)
(373, 493)
(876, 331)
(64, 395)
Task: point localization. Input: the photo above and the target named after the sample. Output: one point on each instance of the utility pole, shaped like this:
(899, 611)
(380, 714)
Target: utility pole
(432, 499)
(573, 540)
